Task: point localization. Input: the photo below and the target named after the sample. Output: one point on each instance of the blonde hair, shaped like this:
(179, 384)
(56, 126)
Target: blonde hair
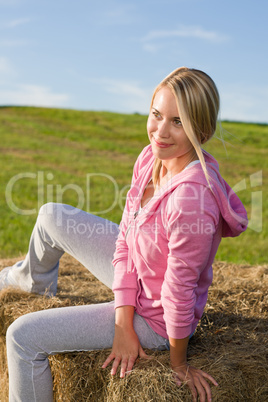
(198, 103)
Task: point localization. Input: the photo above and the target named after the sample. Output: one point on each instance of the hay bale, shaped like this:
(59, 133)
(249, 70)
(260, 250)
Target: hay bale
(149, 381)
(230, 343)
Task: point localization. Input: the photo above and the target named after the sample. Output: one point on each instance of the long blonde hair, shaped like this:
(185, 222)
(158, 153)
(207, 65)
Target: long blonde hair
(198, 103)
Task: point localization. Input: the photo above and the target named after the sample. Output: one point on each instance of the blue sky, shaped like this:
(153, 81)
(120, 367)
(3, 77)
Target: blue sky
(109, 55)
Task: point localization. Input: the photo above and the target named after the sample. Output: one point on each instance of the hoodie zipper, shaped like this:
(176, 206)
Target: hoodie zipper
(129, 226)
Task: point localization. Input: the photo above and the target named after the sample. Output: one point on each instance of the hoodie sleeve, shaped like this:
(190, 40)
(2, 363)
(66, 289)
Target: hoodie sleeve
(125, 284)
(192, 219)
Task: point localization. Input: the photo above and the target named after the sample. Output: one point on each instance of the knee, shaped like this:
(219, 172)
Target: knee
(50, 217)
(18, 336)
(48, 213)
(54, 214)
(22, 341)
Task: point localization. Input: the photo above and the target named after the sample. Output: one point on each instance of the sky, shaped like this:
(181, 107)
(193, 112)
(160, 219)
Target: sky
(110, 55)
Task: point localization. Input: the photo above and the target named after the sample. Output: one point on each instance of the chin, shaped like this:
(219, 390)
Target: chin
(160, 154)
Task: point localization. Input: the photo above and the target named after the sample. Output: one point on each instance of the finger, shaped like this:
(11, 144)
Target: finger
(124, 364)
(188, 379)
(143, 355)
(200, 389)
(206, 375)
(207, 389)
(192, 389)
(206, 385)
(108, 360)
(177, 380)
(131, 362)
(115, 365)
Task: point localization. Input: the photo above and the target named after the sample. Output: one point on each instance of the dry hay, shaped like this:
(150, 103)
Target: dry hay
(230, 343)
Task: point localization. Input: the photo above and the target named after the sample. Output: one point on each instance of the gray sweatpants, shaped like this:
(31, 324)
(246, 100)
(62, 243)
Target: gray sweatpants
(33, 337)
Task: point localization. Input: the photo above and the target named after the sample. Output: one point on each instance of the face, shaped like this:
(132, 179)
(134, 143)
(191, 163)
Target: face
(166, 134)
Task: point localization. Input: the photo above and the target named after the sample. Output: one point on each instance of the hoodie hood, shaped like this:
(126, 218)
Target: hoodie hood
(232, 210)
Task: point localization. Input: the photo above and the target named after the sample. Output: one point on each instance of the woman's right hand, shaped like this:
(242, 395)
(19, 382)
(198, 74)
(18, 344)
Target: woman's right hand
(126, 349)
(126, 345)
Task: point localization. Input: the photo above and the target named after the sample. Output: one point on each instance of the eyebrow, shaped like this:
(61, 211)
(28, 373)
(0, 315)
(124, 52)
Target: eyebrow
(175, 117)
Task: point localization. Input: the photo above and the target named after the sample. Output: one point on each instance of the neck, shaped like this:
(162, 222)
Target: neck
(173, 167)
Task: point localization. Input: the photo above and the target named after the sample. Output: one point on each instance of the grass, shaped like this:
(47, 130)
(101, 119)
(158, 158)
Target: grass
(57, 151)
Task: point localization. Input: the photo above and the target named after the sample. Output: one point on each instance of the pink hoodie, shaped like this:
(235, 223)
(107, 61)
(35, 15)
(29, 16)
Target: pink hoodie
(164, 252)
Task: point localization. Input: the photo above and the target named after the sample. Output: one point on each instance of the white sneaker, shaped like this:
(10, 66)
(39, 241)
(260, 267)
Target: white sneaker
(4, 280)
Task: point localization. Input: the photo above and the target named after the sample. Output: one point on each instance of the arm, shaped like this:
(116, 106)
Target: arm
(125, 278)
(125, 282)
(126, 346)
(185, 286)
(192, 243)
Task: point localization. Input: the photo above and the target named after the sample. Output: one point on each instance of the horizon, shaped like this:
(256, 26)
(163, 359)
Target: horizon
(122, 113)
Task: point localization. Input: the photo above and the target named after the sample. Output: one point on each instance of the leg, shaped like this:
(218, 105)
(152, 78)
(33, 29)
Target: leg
(32, 337)
(61, 228)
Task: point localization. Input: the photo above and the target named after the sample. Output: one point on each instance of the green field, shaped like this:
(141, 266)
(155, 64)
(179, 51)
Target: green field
(53, 154)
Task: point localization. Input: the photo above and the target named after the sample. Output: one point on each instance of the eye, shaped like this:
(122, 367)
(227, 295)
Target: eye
(156, 114)
(177, 122)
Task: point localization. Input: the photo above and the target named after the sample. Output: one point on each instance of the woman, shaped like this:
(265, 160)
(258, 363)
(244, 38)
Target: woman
(158, 262)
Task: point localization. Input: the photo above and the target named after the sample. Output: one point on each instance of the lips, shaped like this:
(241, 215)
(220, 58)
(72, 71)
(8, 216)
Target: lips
(162, 144)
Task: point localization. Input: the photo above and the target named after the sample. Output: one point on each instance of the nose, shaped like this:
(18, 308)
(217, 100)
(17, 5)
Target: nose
(162, 129)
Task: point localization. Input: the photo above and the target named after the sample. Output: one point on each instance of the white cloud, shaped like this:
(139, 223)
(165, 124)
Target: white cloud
(26, 94)
(31, 95)
(119, 14)
(150, 47)
(5, 67)
(12, 24)
(243, 102)
(186, 32)
(121, 87)
(14, 42)
(127, 96)
(19, 21)
(123, 14)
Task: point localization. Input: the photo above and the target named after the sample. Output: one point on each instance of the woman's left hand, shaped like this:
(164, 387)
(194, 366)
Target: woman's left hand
(196, 380)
